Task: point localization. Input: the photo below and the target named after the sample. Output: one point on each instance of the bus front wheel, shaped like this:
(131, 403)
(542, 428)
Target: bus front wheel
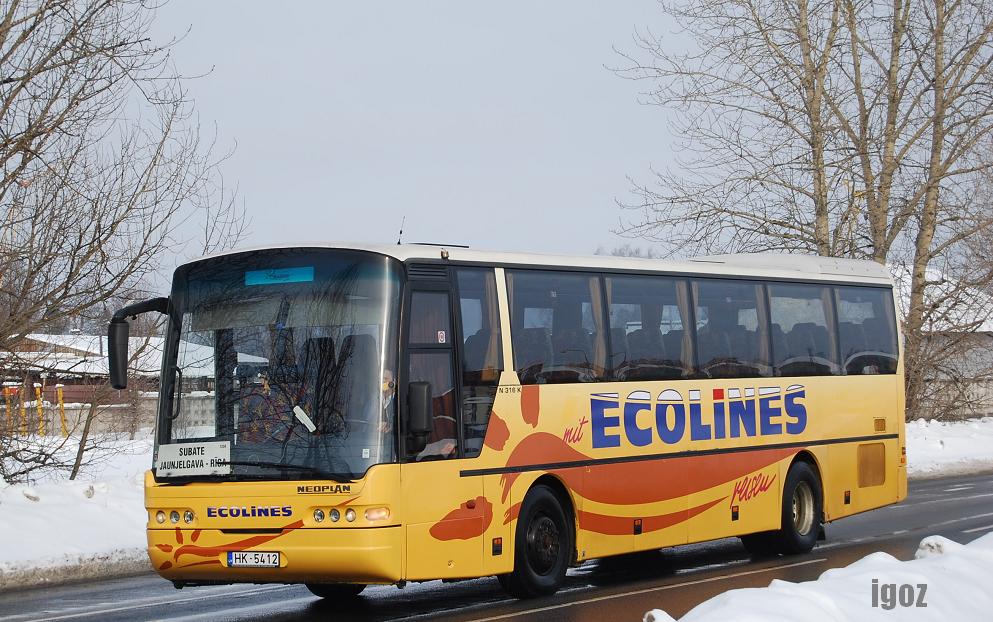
(336, 591)
(542, 546)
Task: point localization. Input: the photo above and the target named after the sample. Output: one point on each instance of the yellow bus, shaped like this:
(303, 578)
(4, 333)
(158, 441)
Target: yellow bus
(341, 415)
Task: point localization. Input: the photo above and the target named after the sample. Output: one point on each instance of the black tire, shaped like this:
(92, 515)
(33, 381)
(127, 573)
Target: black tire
(336, 591)
(543, 546)
(802, 513)
(759, 545)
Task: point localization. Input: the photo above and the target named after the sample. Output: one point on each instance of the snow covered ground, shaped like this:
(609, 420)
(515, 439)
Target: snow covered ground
(877, 587)
(54, 529)
(936, 448)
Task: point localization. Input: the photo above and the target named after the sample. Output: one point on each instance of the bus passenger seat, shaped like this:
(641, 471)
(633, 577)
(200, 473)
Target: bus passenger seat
(852, 339)
(713, 345)
(360, 380)
(318, 355)
(532, 353)
(740, 343)
(673, 341)
(317, 376)
(318, 358)
(807, 339)
(618, 346)
(646, 344)
(780, 351)
(573, 347)
(475, 350)
(877, 335)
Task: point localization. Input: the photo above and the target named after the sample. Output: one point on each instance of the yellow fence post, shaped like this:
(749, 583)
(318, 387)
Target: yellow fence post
(39, 408)
(62, 410)
(7, 393)
(24, 411)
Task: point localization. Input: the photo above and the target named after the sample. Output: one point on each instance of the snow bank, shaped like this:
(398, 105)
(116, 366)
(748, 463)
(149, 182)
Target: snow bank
(936, 448)
(957, 577)
(54, 529)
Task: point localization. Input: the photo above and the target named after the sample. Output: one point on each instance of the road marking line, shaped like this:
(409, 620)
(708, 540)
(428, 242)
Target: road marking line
(904, 505)
(974, 529)
(143, 604)
(835, 543)
(636, 592)
(279, 605)
(958, 488)
(696, 569)
(959, 520)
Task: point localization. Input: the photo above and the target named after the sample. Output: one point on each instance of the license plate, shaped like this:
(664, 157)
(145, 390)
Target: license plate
(253, 559)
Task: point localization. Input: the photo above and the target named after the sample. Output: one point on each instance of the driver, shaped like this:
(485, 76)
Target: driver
(388, 415)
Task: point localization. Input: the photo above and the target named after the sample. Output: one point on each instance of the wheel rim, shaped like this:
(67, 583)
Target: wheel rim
(543, 544)
(803, 508)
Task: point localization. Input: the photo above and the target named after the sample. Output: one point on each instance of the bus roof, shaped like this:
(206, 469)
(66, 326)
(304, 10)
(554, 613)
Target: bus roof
(766, 265)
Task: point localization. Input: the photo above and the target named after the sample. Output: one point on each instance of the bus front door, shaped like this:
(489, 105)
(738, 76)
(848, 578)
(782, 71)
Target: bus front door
(445, 514)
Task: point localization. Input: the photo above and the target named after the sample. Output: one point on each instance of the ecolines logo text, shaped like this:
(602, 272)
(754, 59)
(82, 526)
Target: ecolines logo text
(766, 411)
(249, 511)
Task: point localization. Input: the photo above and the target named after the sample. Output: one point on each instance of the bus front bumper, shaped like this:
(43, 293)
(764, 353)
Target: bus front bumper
(306, 555)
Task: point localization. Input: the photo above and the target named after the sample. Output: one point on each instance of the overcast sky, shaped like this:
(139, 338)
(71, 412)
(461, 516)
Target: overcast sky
(490, 124)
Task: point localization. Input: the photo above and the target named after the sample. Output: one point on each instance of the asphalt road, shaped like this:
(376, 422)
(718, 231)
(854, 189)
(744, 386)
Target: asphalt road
(959, 508)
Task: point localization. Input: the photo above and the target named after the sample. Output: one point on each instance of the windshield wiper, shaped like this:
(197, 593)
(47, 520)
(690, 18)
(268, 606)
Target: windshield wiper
(334, 477)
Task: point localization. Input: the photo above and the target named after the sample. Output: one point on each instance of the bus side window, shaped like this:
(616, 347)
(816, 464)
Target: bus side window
(803, 330)
(431, 355)
(436, 368)
(558, 332)
(731, 336)
(482, 359)
(866, 330)
(648, 340)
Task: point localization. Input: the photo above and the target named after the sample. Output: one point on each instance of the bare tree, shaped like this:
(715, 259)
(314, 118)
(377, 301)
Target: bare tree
(838, 127)
(105, 172)
(627, 250)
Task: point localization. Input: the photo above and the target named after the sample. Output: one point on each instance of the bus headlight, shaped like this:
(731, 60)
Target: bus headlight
(349, 514)
(188, 516)
(335, 515)
(174, 517)
(318, 515)
(160, 517)
(374, 514)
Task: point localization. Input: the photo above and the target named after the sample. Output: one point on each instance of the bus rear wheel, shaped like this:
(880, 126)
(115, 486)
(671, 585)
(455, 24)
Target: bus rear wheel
(542, 546)
(800, 520)
(336, 591)
(759, 544)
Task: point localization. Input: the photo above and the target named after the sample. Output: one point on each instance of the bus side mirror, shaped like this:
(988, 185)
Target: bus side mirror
(118, 332)
(419, 411)
(117, 352)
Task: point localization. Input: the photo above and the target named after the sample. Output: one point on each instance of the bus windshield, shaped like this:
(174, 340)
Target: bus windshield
(288, 357)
